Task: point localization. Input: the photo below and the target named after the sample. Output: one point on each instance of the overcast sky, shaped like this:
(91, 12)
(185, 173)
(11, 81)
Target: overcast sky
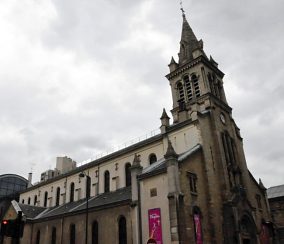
(78, 78)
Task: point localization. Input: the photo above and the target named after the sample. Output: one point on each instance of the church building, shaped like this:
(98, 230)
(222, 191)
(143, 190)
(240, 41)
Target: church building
(188, 184)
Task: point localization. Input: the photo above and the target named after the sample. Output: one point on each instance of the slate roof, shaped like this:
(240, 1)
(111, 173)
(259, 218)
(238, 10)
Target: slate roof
(101, 201)
(275, 191)
(160, 165)
(30, 211)
(105, 199)
(62, 209)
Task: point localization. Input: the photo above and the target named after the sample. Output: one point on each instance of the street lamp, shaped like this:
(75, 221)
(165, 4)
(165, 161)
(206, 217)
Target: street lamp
(88, 181)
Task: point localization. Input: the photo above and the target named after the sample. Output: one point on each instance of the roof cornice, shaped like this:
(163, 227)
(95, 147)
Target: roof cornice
(194, 62)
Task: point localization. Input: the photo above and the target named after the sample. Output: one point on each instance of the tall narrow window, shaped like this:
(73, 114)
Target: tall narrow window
(23, 201)
(29, 200)
(217, 90)
(45, 199)
(229, 148)
(38, 237)
(258, 201)
(152, 158)
(35, 200)
(127, 174)
(122, 230)
(53, 235)
(188, 87)
(57, 201)
(219, 87)
(195, 85)
(88, 186)
(95, 233)
(72, 189)
(180, 92)
(106, 181)
(72, 234)
(192, 182)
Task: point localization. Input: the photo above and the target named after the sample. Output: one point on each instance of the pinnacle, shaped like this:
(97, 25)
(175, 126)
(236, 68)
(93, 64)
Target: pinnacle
(164, 115)
(170, 151)
(173, 61)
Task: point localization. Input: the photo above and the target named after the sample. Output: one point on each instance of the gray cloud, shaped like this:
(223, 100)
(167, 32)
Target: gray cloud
(77, 79)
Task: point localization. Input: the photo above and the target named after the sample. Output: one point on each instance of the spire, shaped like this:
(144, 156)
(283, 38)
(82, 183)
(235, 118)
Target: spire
(165, 121)
(173, 64)
(188, 42)
(164, 115)
(170, 151)
(173, 61)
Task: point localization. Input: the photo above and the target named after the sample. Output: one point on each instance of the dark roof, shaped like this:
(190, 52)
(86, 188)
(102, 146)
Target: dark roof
(275, 191)
(105, 199)
(30, 211)
(101, 201)
(62, 209)
(160, 166)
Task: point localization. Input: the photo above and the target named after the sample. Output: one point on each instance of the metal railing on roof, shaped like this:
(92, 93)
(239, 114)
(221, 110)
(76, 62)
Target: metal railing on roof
(124, 145)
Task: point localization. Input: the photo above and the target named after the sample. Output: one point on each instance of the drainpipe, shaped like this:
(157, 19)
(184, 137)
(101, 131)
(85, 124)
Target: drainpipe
(139, 213)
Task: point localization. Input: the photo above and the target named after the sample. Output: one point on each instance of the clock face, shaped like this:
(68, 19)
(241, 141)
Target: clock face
(222, 118)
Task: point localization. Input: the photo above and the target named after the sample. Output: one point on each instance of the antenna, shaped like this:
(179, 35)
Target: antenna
(32, 166)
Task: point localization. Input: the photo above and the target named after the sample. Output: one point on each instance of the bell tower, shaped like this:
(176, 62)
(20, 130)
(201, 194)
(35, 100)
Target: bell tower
(195, 79)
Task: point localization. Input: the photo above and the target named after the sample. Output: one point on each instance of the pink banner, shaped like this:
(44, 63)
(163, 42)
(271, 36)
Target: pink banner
(264, 235)
(155, 225)
(198, 229)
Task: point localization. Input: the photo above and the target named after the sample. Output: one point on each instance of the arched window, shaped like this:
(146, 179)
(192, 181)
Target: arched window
(127, 174)
(23, 201)
(106, 181)
(122, 230)
(45, 199)
(95, 232)
(38, 237)
(72, 234)
(35, 200)
(195, 85)
(152, 158)
(72, 189)
(180, 93)
(57, 200)
(29, 200)
(188, 87)
(53, 235)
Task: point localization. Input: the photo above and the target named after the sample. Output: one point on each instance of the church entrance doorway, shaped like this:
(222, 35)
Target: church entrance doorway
(248, 230)
(246, 241)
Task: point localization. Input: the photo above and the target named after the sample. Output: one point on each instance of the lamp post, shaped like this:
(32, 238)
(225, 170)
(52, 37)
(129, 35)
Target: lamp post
(88, 180)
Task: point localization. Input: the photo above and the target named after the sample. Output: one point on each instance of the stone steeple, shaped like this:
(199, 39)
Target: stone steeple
(195, 79)
(188, 43)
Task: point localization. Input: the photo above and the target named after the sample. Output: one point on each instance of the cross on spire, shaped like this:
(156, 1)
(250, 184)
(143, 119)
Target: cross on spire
(181, 8)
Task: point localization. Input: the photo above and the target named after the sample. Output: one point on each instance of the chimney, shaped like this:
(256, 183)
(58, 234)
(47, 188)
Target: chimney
(30, 179)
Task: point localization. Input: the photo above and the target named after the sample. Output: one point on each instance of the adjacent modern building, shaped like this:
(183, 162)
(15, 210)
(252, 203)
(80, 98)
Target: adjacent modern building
(188, 184)
(10, 187)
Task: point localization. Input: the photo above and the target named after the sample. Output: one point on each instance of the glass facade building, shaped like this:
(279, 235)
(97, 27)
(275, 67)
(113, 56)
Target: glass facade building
(11, 185)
